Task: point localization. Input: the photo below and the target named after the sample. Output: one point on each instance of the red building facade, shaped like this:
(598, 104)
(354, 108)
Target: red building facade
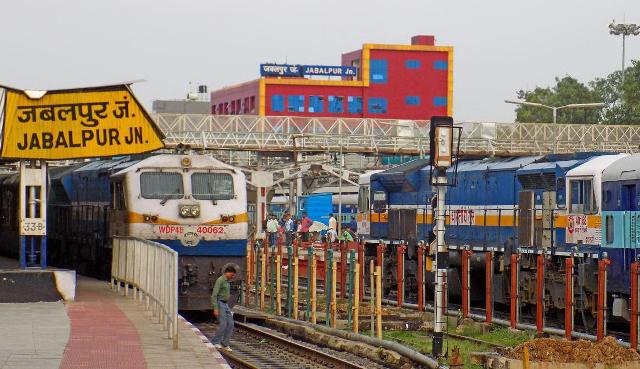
(394, 82)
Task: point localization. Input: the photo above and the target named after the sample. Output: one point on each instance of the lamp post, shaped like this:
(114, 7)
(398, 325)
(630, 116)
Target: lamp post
(556, 108)
(624, 30)
(555, 112)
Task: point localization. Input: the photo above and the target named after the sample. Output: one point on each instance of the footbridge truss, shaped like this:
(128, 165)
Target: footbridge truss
(375, 136)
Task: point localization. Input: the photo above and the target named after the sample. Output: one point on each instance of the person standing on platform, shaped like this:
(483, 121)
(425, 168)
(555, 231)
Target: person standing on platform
(272, 229)
(332, 234)
(353, 224)
(304, 226)
(221, 310)
(289, 228)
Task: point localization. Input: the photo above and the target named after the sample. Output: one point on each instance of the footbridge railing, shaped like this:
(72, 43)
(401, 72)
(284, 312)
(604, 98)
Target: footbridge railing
(386, 136)
(151, 270)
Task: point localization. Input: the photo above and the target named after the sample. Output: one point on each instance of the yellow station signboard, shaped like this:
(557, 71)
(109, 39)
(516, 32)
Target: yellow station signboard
(72, 124)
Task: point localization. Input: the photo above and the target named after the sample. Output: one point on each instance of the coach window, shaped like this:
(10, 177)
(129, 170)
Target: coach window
(581, 197)
(158, 185)
(212, 186)
(609, 226)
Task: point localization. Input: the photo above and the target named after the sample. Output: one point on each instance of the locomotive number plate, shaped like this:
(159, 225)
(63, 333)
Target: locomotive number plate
(33, 227)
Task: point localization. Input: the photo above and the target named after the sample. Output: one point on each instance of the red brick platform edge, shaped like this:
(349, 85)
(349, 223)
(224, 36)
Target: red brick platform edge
(102, 337)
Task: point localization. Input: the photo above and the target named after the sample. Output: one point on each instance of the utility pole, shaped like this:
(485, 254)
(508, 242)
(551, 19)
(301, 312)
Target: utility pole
(624, 30)
(441, 157)
(339, 230)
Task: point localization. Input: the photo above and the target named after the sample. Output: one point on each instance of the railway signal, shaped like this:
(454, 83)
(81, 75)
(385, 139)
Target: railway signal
(442, 157)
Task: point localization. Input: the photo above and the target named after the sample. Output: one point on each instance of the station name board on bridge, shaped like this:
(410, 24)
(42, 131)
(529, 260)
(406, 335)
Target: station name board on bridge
(71, 124)
(289, 70)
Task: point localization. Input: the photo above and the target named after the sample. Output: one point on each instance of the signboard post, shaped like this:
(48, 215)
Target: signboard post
(33, 216)
(36, 126)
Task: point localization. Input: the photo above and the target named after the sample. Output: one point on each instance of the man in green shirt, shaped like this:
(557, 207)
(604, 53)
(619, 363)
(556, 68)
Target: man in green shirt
(221, 310)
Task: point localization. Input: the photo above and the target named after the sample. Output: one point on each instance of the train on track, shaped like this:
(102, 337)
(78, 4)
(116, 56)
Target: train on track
(195, 204)
(582, 205)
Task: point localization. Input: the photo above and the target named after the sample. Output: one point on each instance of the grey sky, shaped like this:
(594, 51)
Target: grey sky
(500, 45)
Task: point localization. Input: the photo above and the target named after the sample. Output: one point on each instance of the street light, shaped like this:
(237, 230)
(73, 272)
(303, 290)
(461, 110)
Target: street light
(556, 108)
(624, 29)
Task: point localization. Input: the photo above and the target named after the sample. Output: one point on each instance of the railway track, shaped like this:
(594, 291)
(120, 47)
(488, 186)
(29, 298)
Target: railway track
(257, 348)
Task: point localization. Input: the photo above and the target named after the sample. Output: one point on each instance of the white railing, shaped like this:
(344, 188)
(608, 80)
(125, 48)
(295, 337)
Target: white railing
(151, 270)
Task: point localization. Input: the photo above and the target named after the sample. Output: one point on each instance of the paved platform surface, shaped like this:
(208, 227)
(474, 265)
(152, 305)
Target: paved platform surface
(100, 330)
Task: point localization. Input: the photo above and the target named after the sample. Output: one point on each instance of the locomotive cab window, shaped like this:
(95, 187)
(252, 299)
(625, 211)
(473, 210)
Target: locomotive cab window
(379, 201)
(119, 202)
(581, 197)
(212, 186)
(165, 186)
(363, 199)
(560, 193)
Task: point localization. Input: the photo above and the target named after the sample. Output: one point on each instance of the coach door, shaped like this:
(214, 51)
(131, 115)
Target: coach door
(525, 218)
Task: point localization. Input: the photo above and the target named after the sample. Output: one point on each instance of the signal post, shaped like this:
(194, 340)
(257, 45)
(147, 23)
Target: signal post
(441, 135)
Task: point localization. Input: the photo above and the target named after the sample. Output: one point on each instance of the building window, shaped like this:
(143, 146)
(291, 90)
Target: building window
(336, 104)
(253, 105)
(440, 65)
(226, 108)
(377, 105)
(296, 103)
(277, 103)
(233, 107)
(213, 109)
(412, 64)
(245, 109)
(316, 104)
(354, 104)
(412, 100)
(378, 71)
(439, 101)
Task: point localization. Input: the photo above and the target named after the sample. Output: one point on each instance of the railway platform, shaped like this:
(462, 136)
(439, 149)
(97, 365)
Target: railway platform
(100, 329)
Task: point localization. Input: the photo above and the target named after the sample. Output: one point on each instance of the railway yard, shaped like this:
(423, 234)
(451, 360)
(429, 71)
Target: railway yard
(320, 216)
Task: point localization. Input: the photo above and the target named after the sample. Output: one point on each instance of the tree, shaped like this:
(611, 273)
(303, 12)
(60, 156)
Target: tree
(566, 91)
(622, 101)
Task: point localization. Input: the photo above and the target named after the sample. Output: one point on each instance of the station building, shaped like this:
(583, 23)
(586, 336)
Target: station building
(377, 81)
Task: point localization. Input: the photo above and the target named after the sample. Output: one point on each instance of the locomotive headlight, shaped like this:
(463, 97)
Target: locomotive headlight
(195, 211)
(185, 211)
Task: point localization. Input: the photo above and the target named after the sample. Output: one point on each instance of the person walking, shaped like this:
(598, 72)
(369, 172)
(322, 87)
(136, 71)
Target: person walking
(221, 310)
(304, 226)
